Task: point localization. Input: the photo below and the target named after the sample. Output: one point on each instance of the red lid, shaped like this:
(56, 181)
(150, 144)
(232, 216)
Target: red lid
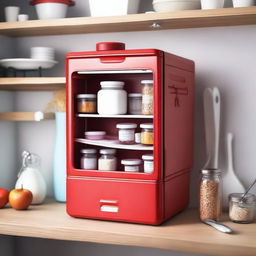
(110, 46)
(67, 2)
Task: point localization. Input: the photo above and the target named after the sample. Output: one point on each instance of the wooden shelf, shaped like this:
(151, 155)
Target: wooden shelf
(182, 233)
(132, 22)
(32, 83)
(25, 116)
(116, 116)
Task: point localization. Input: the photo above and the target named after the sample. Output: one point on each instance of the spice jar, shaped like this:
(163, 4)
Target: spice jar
(210, 194)
(131, 165)
(126, 133)
(147, 134)
(134, 103)
(86, 103)
(107, 161)
(148, 163)
(242, 211)
(89, 159)
(112, 98)
(147, 97)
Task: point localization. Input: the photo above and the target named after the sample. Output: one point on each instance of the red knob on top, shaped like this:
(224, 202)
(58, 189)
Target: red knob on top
(110, 46)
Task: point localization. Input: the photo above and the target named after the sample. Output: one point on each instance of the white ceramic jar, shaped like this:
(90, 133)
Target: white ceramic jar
(212, 4)
(112, 98)
(148, 163)
(243, 3)
(131, 165)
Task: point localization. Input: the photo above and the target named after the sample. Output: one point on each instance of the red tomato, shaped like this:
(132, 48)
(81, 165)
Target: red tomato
(4, 195)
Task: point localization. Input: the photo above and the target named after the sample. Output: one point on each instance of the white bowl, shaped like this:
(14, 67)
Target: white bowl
(243, 3)
(47, 11)
(175, 5)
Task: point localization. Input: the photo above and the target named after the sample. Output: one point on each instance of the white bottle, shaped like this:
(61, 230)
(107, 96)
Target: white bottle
(112, 99)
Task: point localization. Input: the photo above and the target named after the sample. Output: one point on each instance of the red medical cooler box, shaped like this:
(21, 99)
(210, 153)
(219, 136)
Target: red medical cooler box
(118, 195)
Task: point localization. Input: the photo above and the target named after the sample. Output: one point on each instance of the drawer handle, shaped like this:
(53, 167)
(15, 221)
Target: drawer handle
(109, 208)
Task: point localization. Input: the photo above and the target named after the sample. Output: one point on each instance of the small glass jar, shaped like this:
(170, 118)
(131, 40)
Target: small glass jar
(126, 133)
(148, 163)
(107, 161)
(86, 103)
(147, 133)
(242, 211)
(147, 97)
(89, 159)
(134, 103)
(210, 195)
(131, 165)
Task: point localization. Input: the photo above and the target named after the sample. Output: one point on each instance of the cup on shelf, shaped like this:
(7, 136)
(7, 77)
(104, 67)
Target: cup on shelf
(42, 53)
(212, 4)
(243, 3)
(11, 13)
(22, 17)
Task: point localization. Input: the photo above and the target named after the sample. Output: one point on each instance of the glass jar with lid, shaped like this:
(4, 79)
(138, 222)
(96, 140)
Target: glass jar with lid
(131, 165)
(112, 98)
(147, 133)
(148, 163)
(107, 161)
(86, 103)
(242, 211)
(147, 97)
(126, 133)
(210, 194)
(89, 159)
(134, 103)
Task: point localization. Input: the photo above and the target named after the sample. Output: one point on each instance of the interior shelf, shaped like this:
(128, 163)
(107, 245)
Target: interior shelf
(32, 83)
(133, 22)
(25, 116)
(116, 116)
(114, 144)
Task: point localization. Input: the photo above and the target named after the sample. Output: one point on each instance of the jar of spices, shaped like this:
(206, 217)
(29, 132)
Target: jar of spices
(147, 97)
(89, 159)
(242, 211)
(148, 163)
(147, 133)
(210, 195)
(135, 103)
(86, 103)
(107, 161)
(131, 165)
(126, 133)
(112, 98)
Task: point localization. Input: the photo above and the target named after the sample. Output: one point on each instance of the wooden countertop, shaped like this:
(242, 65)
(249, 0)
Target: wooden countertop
(182, 233)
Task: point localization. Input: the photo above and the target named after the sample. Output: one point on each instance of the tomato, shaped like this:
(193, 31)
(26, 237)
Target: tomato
(4, 195)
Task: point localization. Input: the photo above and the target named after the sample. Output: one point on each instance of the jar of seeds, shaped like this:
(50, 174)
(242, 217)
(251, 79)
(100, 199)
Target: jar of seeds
(210, 195)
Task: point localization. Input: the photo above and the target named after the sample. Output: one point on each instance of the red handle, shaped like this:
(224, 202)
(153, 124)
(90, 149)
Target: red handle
(110, 46)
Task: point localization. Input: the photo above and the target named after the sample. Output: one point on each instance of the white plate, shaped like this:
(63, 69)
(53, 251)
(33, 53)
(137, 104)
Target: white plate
(27, 64)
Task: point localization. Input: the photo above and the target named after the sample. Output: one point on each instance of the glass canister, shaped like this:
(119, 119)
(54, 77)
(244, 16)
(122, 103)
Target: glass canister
(210, 194)
(112, 98)
(147, 97)
(126, 133)
(147, 133)
(107, 161)
(89, 159)
(134, 103)
(131, 165)
(242, 211)
(148, 163)
(86, 103)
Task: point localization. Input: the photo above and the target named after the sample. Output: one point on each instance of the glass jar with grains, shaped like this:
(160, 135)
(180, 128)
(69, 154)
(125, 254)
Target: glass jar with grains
(107, 161)
(86, 103)
(210, 195)
(147, 97)
(147, 134)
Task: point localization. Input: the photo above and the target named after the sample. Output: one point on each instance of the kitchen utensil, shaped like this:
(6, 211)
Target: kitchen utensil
(219, 226)
(175, 5)
(248, 189)
(11, 13)
(212, 4)
(231, 183)
(212, 126)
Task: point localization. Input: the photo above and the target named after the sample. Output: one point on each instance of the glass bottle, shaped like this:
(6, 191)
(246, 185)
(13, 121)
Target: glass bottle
(147, 97)
(89, 159)
(107, 161)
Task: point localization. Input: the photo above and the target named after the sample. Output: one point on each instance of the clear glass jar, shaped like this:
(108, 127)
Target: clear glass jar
(131, 165)
(86, 103)
(112, 98)
(126, 133)
(210, 195)
(107, 161)
(242, 211)
(147, 97)
(135, 103)
(148, 163)
(89, 159)
(147, 133)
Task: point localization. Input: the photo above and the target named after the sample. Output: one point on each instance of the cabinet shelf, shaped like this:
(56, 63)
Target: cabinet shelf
(114, 144)
(116, 116)
(32, 83)
(25, 116)
(132, 22)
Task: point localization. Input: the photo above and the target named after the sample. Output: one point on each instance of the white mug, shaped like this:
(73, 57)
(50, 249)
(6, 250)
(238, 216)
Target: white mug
(243, 3)
(11, 13)
(22, 17)
(212, 4)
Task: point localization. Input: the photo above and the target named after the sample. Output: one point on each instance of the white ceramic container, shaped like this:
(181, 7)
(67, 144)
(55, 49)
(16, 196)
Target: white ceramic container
(175, 5)
(212, 4)
(11, 13)
(42, 53)
(23, 17)
(47, 11)
(113, 7)
(243, 3)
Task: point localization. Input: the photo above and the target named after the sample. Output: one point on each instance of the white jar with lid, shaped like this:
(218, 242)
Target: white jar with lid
(126, 133)
(89, 159)
(112, 98)
(134, 103)
(148, 163)
(131, 165)
(107, 161)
